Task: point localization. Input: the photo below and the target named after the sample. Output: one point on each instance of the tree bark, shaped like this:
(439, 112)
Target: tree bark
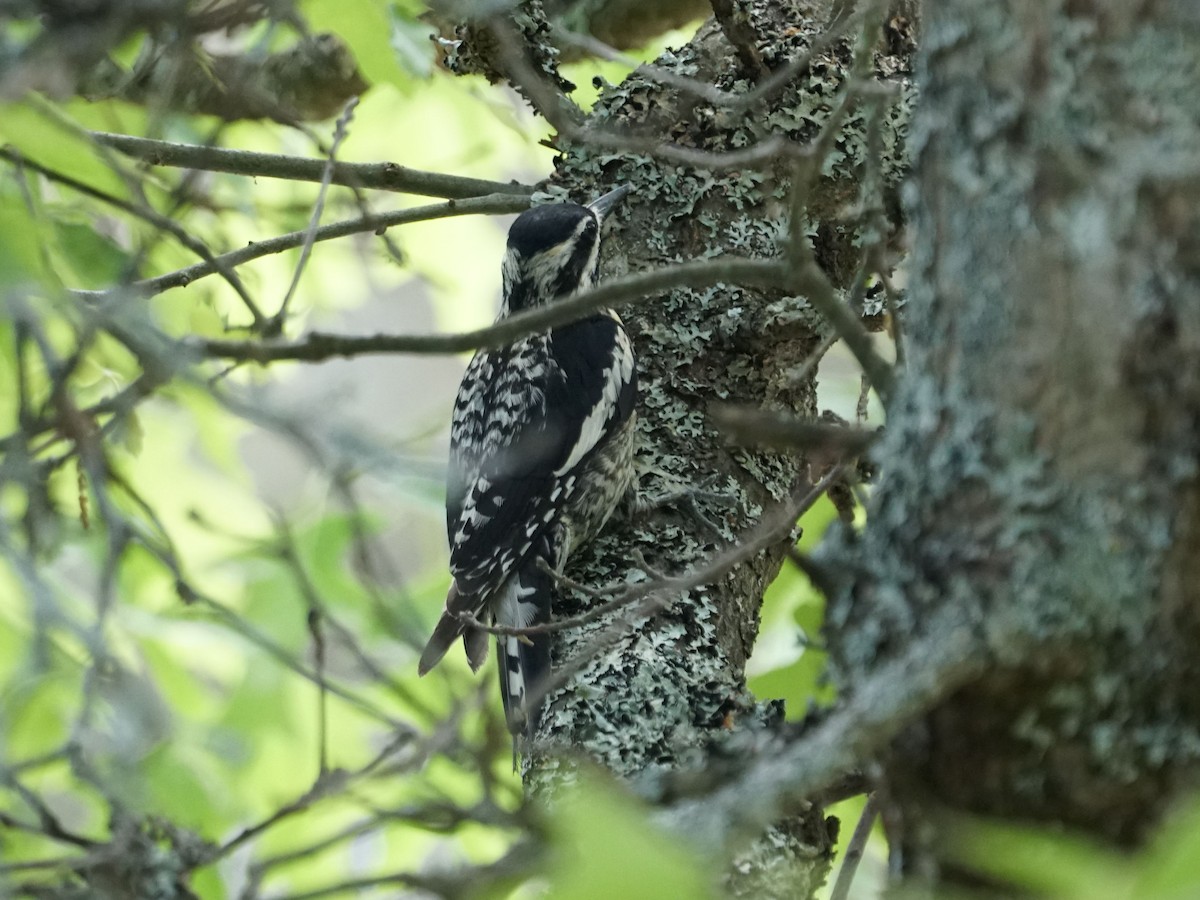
(660, 700)
(1040, 486)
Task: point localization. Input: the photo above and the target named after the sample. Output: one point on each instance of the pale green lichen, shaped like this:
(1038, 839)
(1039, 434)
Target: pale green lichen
(995, 513)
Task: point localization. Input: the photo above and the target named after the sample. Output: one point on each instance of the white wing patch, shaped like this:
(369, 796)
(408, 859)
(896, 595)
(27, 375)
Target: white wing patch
(512, 608)
(620, 371)
(513, 673)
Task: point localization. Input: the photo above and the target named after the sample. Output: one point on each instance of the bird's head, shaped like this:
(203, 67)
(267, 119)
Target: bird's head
(554, 251)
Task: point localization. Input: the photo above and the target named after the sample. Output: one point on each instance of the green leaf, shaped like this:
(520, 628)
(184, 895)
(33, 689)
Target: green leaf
(799, 685)
(95, 260)
(57, 144)
(788, 663)
(208, 885)
(21, 257)
(607, 848)
(366, 27)
(1055, 864)
(1170, 867)
(36, 711)
(180, 781)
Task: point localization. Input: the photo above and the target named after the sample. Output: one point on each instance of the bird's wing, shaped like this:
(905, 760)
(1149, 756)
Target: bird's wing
(516, 453)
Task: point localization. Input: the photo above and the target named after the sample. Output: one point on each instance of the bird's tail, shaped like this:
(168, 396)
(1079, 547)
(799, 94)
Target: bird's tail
(525, 659)
(448, 629)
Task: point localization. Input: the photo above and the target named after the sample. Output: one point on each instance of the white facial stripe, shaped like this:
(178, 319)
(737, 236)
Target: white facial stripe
(585, 280)
(544, 268)
(509, 271)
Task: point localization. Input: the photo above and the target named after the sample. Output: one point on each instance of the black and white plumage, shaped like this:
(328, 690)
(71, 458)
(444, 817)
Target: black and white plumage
(541, 451)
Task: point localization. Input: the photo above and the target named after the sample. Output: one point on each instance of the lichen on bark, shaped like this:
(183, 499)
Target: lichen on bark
(1040, 466)
(665, 700)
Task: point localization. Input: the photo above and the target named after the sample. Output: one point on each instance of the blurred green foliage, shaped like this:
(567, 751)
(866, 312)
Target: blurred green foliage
(603, 847)
(179, 646)
(1056, 864)
(788, 662)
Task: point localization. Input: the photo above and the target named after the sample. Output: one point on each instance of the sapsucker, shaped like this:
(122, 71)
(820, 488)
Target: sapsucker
(541, 452)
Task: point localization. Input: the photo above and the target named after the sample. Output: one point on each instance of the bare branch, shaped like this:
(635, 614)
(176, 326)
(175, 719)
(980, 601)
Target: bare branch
(317, 346)
(659, 74)
(766, 428)
(554, 107)
(738, 31)
(948, 655)
(794, 68)
(380, 176)
(816, 285)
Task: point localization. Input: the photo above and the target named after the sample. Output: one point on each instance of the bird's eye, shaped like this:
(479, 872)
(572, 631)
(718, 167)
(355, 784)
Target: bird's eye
(589, 227)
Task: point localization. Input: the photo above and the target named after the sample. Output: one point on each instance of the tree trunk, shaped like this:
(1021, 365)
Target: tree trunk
(661, 699)
(1043, 449)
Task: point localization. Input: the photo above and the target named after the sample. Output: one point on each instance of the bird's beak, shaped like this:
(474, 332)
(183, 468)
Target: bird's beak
(604, 204)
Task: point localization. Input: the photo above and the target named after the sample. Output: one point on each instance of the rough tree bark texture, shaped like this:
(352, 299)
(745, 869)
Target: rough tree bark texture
(666, 700)
(1041, 464)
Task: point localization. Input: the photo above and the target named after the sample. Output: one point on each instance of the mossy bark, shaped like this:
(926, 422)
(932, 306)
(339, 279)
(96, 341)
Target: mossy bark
(665, 702)
(1041, 464)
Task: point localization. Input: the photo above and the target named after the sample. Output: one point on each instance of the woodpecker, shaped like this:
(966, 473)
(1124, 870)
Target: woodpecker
(541, 452)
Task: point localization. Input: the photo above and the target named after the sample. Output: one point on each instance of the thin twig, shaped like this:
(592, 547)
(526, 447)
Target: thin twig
(794, 68)
(48, 823)
(313, 621)
(134, 182)
(877, 222)
(570, 583)
(56, 864)
(661, 585)
(864, 400)
(808, 277)
(336, 782)
(341, 130)
(764, 90)
(543, 93)
(144, 212)
(363, 204)
(239, 626)
(491, 204)
(801, 374)
(949, 653)
(853, 853)
(735, 26)
(892, 298)
(639, 560)
(812, 283)
(658, 594)
(650, 71)
(537, 87)
(326, 784)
